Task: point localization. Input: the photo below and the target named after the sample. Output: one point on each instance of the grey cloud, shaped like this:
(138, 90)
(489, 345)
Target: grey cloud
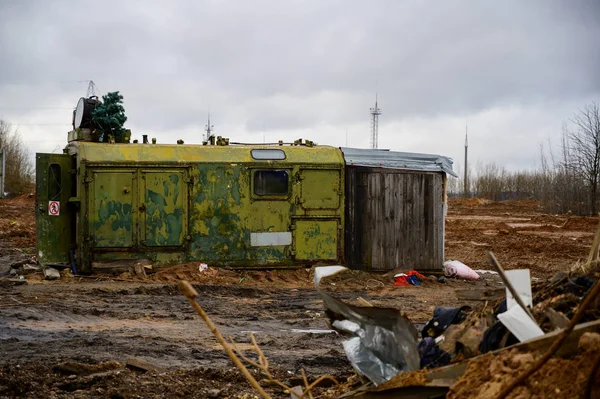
(300, 64)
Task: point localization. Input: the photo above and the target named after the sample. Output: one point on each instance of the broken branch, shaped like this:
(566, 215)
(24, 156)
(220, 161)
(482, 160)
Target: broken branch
(191, 295)
(262, 365)
(317, 381)
(306, 384)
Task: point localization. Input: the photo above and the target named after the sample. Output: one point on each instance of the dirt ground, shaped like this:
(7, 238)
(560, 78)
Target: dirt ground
(72, 338)
(519, 233)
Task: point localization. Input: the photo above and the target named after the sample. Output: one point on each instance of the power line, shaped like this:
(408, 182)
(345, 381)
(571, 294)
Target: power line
(46, 141)
(40, 107)
(40, 124)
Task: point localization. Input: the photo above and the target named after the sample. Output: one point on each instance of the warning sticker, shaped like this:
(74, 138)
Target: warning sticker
(54, 208)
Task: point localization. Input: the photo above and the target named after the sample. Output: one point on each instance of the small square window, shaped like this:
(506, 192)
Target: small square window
(271, 182)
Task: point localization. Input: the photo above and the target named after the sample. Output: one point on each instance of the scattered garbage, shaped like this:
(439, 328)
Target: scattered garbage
(51, 273)
(517, 318)
(443, 317)
(520, 279)
(382, 342)
(520, 324)
(431, 355)
(139, 270)
(409, 278)
(457, 269)
(326, 271)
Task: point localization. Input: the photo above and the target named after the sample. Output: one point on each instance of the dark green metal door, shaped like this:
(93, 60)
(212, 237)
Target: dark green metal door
(317, 230)
(54, 219)
(164, 208)
(112, 216)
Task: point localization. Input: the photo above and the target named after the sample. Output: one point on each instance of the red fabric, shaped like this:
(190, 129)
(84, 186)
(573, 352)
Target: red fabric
(402, 280)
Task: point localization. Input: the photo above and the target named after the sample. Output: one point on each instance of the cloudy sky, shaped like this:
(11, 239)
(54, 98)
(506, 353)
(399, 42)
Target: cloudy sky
(284, 69)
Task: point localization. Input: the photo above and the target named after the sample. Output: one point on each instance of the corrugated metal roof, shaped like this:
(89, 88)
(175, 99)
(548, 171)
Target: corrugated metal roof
(398, 160)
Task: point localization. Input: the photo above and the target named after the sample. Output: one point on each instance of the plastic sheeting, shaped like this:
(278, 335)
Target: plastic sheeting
(374, 158)
(383, 343)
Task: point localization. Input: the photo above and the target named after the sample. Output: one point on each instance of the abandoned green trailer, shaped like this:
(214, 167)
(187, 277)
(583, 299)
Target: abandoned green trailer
(240, 205)
(106, 200)
(232, 204)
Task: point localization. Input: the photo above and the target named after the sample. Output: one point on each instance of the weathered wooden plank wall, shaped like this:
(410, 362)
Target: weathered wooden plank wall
(394, 219)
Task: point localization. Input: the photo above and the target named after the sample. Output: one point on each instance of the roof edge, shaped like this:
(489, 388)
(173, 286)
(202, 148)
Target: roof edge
(384, 158)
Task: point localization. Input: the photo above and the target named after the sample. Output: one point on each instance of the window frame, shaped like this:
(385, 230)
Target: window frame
(285, 196)
(55, 183)
(266, 150)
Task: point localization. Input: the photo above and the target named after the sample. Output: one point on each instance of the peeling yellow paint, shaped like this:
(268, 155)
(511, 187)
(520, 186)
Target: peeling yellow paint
(216, 208)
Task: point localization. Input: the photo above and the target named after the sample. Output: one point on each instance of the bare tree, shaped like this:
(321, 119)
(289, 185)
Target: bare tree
(565, 182)
(19, 166)
(584, 149)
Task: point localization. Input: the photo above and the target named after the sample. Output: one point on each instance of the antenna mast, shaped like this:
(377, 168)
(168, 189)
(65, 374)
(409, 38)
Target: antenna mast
(346, 136)
(375, 112)
(466, 182)
(209, 129)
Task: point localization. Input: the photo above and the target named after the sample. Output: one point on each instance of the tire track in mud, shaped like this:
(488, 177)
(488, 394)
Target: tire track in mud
(154, 323)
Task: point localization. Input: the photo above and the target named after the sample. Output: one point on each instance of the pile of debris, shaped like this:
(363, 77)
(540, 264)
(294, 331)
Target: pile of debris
(535, 341)
(490, 350)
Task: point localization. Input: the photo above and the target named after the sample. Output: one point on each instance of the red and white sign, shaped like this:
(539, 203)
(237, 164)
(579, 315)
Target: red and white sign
(54, 208)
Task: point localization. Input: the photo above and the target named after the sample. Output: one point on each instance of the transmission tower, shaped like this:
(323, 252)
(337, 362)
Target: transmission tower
(209, 129)
(375, 112)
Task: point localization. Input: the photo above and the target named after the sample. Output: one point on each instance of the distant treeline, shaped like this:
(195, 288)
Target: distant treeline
(19, 178)
(559, 190)
(565, 182)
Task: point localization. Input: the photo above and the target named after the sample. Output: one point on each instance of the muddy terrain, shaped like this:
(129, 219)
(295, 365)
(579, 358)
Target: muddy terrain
(519, 233)
(73, 338)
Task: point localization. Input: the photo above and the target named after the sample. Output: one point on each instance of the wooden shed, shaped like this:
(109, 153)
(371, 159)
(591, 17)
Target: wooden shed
(395, 208)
